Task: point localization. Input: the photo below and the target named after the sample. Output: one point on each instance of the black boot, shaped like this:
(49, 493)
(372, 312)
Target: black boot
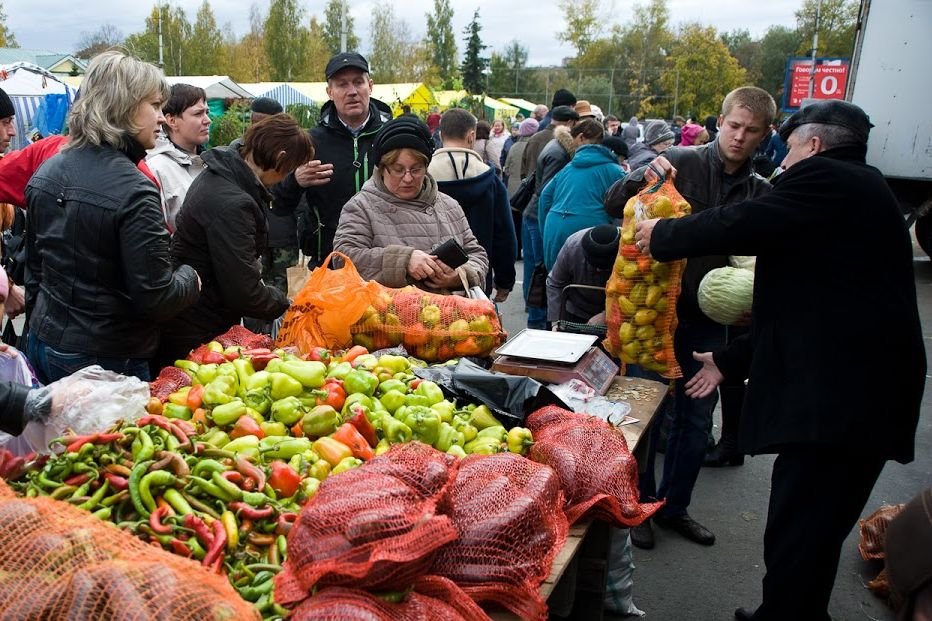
(723, 455)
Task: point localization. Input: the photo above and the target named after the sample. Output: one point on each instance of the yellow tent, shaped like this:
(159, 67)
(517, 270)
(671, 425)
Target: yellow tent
(417, 95)
(524, 106)
(495, 109)
(448, 98)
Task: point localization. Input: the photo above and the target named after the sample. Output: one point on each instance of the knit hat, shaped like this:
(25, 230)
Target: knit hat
(343, 60)
(600, 245)
(616, 145)
(266, 105)
(689, 133)
(563, 97)
(6, 105)
(656, 132)
(583, 108)
(564, 113)
(528, 127)
(405, 132)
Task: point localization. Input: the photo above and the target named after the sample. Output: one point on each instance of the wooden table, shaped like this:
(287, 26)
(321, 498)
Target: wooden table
(587, 542)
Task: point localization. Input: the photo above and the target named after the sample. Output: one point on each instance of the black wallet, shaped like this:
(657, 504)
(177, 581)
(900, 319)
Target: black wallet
(451, 253)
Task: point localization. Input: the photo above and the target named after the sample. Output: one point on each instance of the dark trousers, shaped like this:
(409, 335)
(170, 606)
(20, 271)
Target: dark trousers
(817, 494)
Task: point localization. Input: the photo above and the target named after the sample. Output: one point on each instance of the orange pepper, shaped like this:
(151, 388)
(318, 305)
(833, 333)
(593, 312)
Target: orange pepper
(357, 443)
(467, 347)
(330, 450)
(195, 397)
(354, 352)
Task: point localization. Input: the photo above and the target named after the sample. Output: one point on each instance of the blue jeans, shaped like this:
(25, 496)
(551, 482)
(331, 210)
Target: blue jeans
(51, 364)
(533, 249)
(688, 439)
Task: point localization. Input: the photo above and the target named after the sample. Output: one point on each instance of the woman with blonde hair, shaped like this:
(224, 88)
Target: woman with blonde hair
(99, 274)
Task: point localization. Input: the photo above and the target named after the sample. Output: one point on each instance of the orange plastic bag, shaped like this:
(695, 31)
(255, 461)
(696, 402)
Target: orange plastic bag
(331, 301)
(431, 326)
(641, 294)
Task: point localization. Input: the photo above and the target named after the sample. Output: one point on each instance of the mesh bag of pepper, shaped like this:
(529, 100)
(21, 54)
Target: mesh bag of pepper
(58, 562)
(431, 326)
(873, 531)
(374, 527)
(598, 474)
(507, 511)
(432, 598)
(641, 293)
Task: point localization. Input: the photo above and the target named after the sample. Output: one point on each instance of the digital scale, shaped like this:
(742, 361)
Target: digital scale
(555, 358)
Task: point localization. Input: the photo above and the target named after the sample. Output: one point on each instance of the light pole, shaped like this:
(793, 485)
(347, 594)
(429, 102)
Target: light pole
(815, 47)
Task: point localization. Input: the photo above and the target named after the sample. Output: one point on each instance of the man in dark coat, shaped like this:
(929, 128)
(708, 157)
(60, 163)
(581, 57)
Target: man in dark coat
(348, 125)
(819, 294)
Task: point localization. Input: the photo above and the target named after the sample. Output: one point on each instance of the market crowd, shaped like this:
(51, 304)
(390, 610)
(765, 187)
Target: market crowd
(135, 243)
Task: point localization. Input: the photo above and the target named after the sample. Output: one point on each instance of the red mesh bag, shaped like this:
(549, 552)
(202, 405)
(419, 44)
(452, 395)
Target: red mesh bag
(507, 511)
(59, 562)
(641, 293)
(237, 336)
(598, 474)
(433, 598)
(880, 586)
(373, 527)
(170, 379)
(431, 326)
(874, 530)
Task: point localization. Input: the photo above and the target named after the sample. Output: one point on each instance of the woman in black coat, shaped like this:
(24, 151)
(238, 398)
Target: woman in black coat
(222, 230)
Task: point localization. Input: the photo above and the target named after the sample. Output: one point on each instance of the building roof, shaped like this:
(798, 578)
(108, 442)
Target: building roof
(47, 59)
(216, 86)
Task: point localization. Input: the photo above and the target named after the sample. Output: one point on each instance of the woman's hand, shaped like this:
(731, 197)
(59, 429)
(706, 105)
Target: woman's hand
(704, 383)
(445, 278)
(422, 266)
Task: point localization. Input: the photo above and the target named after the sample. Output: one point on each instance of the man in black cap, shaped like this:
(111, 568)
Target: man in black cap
(262, 107)
(7, 126)
(586, 258)
(806, 399)
(561, 97)
(348, 125)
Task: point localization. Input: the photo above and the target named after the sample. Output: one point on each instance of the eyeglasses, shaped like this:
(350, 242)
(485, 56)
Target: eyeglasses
(399, 173)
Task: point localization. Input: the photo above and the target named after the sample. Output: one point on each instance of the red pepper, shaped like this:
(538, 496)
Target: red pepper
(180, 548)
(320, 354)
(354, 352)
(284, 479)
(155, 521)
(414, 383)
(78, 479)
(195, 397)
(332, 394)
(213, 357)
(364, 427)
(251, 513)
(116, 481)
(246, 426)
(231, 355)
(76, 442)
(285, 522)
(215, 550)
(248, 469)
(200, 529)
(350, 436)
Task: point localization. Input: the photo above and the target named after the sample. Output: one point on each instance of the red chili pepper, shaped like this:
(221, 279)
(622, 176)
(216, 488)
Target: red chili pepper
(167, 425)
(180, 548)
(233, 476)
(251, 513)
(285, 522)
(195, 397)
(260, 358)
(253, 472)
(350, 436)
(155, 521)
(215, 550)
(78, 479)
(200, 529)
(116, 481)
(97, 438)
(364, 427)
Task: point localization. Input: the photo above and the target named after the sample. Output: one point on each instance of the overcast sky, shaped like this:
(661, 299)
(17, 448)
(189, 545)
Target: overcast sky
(57, 25)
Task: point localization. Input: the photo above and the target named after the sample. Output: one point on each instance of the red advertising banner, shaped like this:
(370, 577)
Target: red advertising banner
(831, 75)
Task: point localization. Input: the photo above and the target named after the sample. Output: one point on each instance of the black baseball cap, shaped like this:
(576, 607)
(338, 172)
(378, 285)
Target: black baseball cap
(830, 112)
(343, 60)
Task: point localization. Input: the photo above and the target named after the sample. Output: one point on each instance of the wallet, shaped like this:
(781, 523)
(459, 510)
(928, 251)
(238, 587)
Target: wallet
(451, 253)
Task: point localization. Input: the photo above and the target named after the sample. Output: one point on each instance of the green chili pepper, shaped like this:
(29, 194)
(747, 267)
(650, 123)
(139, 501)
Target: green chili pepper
(283, 447)
(173, 497)
(159, 478)
(142, 447)
(230, 489)
(208, 487)
(209, 466)
(139, 470)
(103, 514)
(96, 497)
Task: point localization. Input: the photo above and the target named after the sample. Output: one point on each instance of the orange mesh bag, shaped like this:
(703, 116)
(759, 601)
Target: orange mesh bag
(874, 531)
(598, 474)
(641, 293)
(372, 527)
(330, 302)
(59, 562)
(507, 511)
(431, 326)
(433, 597)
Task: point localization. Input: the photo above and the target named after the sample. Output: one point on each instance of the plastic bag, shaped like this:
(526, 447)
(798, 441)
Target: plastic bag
(331, 301)
(95, 400)
(641, 294)
(15, 368)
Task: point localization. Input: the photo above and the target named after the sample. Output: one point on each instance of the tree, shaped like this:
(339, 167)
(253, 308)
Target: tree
(837, 24)
(176, 32)
(583, 23)
(93, 43)
(776, 46)
(249, 62)
(333, 27)
(441, 42)
(317, 51)
(700, 72)
(206, 46)
(285, 40)
(388, 57)
(642, 46)
(473, 67)
(508, 76)
(746, 51)
(7, 38)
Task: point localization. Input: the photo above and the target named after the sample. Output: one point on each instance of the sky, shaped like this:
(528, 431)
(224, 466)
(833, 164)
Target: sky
(57, 25)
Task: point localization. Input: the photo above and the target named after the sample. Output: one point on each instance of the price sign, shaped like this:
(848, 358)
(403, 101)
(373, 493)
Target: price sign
(831, 77)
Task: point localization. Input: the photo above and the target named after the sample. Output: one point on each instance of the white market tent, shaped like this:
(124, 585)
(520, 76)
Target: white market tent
(282, 92)
(216, 86)
(27, 85)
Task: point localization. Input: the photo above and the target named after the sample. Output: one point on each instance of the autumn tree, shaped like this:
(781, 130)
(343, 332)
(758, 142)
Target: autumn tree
(93, 43)
(317, 51)
(837, 24)
(746, 51)
(441, 42)
(642, 46)
(285, 41)
(249, 62)
(776, 46)
(205, 49)
(7, 38)
(473, 67)
(390, 42)
(176, 33)
(583, 23)
(701, 71)
(333, 28)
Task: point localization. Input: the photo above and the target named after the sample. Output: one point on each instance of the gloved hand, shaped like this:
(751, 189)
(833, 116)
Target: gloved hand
(38, 405)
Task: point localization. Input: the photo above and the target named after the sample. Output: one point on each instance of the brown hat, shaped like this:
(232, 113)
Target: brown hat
(584, 109)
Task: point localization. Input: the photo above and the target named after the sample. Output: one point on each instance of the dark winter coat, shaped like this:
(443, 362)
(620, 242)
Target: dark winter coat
(835, 354)
(99, 275)
(555, 155)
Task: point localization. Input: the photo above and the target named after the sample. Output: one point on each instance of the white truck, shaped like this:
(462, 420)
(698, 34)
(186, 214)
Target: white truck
(890, 81)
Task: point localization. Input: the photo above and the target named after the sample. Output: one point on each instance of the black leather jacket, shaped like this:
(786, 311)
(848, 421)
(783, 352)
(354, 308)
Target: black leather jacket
(98, 271)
